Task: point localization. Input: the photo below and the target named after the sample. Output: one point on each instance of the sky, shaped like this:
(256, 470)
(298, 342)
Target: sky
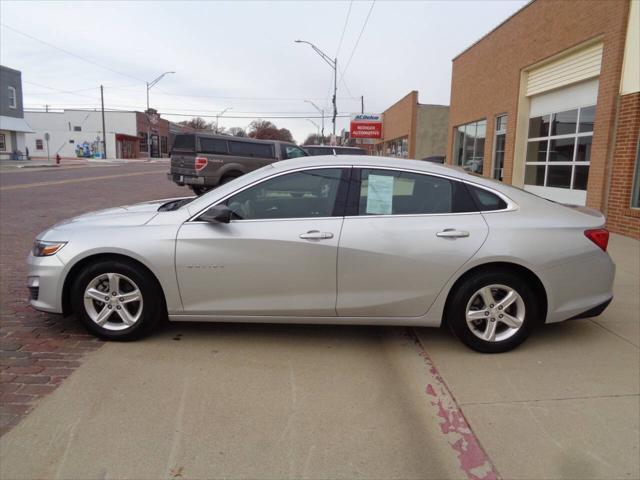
(241, 55)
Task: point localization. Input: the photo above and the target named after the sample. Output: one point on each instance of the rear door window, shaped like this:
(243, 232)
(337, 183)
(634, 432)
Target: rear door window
(248, 149)
(487, 201)
(389, 192)
(213, 145)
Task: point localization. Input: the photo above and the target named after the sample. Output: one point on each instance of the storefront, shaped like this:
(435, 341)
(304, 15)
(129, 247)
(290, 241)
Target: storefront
(558, 110)
(413, 130)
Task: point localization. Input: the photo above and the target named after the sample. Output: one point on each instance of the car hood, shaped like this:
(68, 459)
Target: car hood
(127, 215)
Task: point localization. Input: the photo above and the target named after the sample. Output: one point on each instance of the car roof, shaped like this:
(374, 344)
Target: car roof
(373, 161)
(331, 147)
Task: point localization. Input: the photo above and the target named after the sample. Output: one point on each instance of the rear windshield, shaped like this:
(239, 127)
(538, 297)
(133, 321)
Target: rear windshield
(247, 149)
(185, 142)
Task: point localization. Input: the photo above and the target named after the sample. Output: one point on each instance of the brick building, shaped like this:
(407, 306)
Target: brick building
(413, 130)
(550, 101)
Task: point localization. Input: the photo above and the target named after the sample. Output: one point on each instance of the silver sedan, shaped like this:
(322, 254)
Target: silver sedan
(343, 240)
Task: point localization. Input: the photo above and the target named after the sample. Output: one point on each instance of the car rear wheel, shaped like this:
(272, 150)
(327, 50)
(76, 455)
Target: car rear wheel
(117, 300)
(493, 312)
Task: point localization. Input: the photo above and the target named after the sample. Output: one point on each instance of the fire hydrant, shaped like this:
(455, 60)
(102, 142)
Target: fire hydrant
(57, 159)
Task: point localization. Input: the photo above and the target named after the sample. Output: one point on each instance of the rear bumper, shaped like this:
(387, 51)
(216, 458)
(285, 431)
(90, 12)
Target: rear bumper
(593, 312)
(187, 179)
(581, 286)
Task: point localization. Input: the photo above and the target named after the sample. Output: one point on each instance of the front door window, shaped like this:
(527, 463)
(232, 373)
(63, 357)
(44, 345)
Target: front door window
(306, 194)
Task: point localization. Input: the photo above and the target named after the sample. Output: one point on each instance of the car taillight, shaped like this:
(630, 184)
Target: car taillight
(599, 236)
(201, 162)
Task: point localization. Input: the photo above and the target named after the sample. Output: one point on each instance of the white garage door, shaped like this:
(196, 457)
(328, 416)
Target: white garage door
(561, 123)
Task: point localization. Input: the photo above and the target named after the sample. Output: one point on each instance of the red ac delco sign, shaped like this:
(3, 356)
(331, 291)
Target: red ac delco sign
(366, 125)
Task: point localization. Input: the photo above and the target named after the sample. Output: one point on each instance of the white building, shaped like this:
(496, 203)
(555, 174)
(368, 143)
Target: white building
(78, 133)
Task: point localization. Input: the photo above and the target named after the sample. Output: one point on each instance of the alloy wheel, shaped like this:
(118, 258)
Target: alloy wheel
(495, 313)
(113, 301)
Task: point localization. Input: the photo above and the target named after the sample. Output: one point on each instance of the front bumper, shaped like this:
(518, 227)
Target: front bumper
(45, 275)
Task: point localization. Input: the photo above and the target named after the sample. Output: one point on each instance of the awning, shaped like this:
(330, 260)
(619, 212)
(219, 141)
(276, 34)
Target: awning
(14, 124)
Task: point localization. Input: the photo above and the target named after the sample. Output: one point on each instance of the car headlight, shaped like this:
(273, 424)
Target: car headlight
(46, 249)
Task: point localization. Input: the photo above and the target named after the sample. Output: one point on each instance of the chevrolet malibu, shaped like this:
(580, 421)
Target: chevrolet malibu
(332, 240)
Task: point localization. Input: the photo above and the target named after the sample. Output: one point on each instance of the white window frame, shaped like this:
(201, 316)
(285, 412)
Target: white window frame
(13, 98)
(497, 132)
(576, 135)
(3, 142)
(459, 162)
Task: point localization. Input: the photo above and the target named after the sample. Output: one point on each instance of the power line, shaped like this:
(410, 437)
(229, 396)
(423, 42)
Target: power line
(366, 20)
(297, 99)
(344, 29)
(58, 91)
(196, 114)
(70, 53)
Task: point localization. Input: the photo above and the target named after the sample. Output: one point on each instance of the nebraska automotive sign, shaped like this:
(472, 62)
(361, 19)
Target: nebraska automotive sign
(366, 125)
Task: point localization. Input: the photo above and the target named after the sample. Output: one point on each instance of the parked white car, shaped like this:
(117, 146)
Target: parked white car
(343, 240)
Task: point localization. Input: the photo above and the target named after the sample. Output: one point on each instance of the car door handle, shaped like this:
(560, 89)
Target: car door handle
(452, 233)
(316, 235)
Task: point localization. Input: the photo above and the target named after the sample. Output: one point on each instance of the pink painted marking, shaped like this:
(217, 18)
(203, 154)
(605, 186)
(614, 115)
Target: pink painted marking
(474, 461)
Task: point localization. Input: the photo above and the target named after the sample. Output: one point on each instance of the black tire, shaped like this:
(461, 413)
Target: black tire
(467, 291)
(199, 190)
(227, 178)
(150, 311)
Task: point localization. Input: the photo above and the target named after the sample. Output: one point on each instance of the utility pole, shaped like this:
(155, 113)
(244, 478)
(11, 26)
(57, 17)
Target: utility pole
(104, 131)
(46, 108)
(361, 103)
(321, 110)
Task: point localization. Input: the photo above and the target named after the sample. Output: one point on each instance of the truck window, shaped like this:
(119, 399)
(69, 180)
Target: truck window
(185, 142)
(213, 145)
(292, 151)
(247, 149)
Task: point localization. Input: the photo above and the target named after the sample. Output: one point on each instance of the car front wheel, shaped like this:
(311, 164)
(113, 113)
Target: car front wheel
(117, 300)
(493, 312)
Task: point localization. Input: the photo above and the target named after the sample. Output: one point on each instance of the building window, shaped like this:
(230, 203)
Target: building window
(398, 147)
(39, 144)
(469, 146)
(499, 139)
(144, 146)
(3, 143)
(13, 99)
(635, 193)
(559, 149)
(163, 144)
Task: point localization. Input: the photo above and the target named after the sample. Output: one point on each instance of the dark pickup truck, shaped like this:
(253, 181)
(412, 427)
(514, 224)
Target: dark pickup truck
(204, 161)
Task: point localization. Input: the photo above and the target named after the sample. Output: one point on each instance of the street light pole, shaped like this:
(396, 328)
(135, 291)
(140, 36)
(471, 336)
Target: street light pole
(150, 85)
(317, 126)
(321, 110)
(333, 63)
(221, 114)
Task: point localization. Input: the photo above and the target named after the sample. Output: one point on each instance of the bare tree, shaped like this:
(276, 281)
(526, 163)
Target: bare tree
(267, 130)
(198, 123)
(314, 139)
(237, 132)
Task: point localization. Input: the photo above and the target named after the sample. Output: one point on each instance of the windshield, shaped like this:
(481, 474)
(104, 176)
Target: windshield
(175, 204)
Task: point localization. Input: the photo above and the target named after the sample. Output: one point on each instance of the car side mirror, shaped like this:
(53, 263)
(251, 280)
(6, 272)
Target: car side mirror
(217, 214)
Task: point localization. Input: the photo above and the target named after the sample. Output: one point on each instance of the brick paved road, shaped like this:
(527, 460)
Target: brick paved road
(37, 350)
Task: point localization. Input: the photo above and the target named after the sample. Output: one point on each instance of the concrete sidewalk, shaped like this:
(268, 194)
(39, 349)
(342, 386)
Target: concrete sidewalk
(566, 403)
